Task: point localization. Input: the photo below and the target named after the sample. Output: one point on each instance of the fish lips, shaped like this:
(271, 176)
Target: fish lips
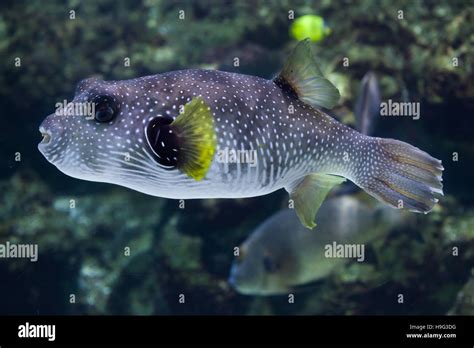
(46, 137)
(235, 279)
(231, 280)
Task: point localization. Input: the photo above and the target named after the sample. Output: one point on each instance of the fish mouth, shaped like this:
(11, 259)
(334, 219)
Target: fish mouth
(46, 136)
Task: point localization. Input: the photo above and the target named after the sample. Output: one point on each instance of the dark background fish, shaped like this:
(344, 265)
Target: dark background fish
(280, 256)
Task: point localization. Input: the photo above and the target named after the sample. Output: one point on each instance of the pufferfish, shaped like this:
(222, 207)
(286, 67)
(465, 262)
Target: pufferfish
(164, 135)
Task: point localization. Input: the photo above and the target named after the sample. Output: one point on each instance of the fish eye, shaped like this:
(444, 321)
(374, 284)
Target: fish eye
(105, 108)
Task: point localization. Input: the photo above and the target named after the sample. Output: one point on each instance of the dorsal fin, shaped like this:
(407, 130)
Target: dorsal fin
(302, 76)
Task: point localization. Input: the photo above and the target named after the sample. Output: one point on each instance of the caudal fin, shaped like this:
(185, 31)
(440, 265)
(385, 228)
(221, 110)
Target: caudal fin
(403, 176)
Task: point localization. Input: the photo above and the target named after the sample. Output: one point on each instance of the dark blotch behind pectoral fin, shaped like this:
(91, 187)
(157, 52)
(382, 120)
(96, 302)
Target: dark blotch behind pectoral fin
(302, 77)
(163, 141)
(309, 193)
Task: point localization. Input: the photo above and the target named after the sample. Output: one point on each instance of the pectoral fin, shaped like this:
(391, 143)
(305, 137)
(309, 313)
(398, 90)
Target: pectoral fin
(309, 193)
(197, 139)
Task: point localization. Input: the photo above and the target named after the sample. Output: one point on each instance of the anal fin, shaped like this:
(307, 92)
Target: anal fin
(309, 193)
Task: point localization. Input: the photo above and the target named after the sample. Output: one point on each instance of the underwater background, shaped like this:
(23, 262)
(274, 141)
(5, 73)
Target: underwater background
(115, 251)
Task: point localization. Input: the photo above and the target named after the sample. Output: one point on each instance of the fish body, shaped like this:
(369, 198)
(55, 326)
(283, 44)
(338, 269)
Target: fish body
(165, 134)
(249, 113)
(281, 255)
